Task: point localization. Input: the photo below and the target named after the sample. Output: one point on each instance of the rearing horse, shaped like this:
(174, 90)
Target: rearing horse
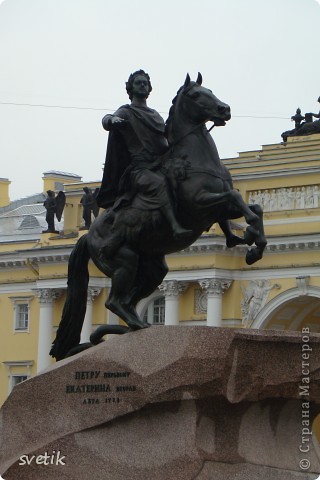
(129, 246)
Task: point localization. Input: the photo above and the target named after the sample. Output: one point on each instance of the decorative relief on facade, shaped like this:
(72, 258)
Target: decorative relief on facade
(200, 301)
(293, 198)
(254, 299)
(172, 287)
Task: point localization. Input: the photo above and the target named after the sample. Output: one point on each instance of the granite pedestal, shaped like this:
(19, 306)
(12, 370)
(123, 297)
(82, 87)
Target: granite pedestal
(170, 403)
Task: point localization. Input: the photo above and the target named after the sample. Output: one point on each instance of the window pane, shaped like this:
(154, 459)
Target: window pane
(158, 311)
(155, 312)
(18, 379)
(22, 318)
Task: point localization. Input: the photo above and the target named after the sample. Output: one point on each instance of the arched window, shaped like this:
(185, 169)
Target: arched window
(29, 221)
(154, 313)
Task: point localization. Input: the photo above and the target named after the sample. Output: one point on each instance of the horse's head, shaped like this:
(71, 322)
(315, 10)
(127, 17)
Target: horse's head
(200, 105)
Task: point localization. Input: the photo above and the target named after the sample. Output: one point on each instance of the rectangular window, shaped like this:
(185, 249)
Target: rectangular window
(158, 311)
(18, 379)
(155, 312)
(18, 371)
(22, 316)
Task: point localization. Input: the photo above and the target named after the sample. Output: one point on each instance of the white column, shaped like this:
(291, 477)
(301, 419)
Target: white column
(214, 289)
(172, 290)
(87, 323)
(46, 297)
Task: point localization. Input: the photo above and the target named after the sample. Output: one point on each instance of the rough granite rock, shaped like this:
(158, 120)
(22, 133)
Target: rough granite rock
(170, 403)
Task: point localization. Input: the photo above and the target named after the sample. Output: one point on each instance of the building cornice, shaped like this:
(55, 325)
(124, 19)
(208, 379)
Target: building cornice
(290, 243)
(295, 147)
(285, 172)
(276, 160)
(275, 273)
(208, 244)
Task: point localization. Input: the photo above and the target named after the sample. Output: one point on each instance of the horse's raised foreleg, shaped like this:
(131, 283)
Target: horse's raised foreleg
(125, 268)
(230, 198)
(253, 215)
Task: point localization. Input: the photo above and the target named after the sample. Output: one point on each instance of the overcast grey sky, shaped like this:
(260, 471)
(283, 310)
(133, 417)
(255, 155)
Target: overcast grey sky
(259, 56)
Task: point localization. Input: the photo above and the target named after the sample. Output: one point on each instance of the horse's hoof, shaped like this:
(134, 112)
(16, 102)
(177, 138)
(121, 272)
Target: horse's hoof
(250, 235)
(253, 255)
(137, 326)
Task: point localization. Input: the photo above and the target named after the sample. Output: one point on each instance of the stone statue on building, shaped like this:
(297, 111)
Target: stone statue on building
(254, 299)
(308, 127)
(54, 206)
(317, 115)
(89, 207)
(297, 118)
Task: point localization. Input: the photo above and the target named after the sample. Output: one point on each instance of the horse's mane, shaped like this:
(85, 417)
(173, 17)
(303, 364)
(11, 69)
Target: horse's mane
(173, 108)
(171, 113)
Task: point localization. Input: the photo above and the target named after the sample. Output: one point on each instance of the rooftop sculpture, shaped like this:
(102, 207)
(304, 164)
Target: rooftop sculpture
(54, 206)
(308, 127)
(89, 206)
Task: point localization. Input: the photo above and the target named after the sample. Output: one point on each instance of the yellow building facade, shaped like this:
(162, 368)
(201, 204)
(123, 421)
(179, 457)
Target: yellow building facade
(207, 283)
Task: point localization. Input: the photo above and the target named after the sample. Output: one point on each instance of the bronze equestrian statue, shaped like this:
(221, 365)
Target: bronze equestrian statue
(163, 185)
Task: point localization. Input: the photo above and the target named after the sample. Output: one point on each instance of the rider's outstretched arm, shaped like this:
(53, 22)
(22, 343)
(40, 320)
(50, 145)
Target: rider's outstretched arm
(116, 120)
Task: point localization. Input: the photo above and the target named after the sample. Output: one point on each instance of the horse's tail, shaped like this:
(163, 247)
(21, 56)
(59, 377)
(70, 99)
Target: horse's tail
(74, 310)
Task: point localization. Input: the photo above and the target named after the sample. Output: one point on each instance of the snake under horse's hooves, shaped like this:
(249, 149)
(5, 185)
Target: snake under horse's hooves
(96, 337)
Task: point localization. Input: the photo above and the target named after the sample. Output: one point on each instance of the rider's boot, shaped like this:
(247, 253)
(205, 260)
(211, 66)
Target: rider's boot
(178, 231)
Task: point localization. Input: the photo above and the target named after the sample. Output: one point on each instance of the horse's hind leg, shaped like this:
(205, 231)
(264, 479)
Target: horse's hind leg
(151, 272)
(259, 239)
(125, 267)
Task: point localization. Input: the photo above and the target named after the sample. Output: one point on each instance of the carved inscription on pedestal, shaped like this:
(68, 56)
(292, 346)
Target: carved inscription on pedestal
(94, 387)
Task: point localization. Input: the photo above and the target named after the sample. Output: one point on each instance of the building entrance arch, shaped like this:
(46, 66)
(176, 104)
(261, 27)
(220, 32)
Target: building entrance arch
(291, 310)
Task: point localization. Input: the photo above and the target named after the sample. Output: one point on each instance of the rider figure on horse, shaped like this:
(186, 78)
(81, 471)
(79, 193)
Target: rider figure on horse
(136, 142)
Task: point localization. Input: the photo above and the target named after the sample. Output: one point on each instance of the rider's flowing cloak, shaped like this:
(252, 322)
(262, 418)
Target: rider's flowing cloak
(147, 125)
(117, 161)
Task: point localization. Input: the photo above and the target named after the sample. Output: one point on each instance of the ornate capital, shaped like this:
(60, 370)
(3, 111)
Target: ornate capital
(47, 295)
(93, 292)
(215, 286)
(172, 288)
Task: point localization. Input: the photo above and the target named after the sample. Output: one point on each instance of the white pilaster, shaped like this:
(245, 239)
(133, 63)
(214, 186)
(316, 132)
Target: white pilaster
(214, 289)
(46, 297)
(172, 290)
(87, 323)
